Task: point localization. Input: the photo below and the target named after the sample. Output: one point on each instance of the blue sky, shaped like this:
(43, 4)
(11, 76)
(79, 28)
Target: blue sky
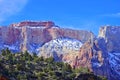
(77, 14)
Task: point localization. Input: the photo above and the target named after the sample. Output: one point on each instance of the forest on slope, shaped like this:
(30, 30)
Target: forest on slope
(24, 66)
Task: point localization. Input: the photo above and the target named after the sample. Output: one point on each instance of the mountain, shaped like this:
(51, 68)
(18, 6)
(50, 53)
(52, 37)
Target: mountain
(111, 36)
(32, 35)
(101, 54)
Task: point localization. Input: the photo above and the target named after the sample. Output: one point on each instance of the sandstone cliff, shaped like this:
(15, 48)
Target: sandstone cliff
(32, 35)
(111, 36)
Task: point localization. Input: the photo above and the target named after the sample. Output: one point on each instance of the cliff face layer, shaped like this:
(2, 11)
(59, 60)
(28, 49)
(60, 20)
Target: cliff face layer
(77, 47)
(32, 35)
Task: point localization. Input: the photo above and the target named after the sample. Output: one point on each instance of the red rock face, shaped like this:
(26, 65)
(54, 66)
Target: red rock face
(35, 24)
(55, 32)
(29, 34)
(83, 58)
(43, 35)
(10, 35)
(81, 35)
(92, 56)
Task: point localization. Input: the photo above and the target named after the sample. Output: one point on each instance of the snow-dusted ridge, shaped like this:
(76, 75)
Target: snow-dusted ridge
(67, 42)
(60, 46)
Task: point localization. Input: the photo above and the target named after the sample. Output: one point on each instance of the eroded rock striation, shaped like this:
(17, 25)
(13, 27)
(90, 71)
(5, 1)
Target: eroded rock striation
(100, 54)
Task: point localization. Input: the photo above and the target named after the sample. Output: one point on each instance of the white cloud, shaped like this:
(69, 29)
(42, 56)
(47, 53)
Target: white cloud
(10, 7)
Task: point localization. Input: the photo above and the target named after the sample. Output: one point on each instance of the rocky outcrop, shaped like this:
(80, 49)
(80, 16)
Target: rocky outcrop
(111, 36)
(36, 24)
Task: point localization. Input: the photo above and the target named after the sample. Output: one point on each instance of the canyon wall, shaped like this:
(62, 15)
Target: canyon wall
(32, 35)
(100, 54)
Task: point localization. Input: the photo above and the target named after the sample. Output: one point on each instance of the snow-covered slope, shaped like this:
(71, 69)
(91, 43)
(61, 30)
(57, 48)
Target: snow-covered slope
(114, 61)
(71, 44)
(60, 46)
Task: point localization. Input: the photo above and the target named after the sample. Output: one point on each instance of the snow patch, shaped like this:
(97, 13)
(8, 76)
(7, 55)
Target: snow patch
(14, 47)
(60, 46)
(114, 60)
(114, 31)
(69, 43)
(34, 27)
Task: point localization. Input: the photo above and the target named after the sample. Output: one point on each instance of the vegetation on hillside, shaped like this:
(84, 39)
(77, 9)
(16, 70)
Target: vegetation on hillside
(23, 66)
